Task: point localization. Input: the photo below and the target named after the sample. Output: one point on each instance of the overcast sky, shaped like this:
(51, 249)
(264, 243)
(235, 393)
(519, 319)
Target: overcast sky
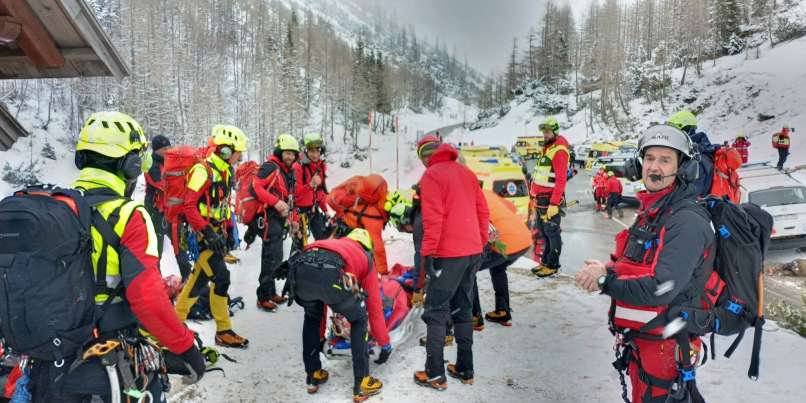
(481, 29)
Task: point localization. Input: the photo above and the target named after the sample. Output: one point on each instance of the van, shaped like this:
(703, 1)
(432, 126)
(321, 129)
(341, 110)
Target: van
(609, 149)
(505, 178)
(529, 147)
(781, 195)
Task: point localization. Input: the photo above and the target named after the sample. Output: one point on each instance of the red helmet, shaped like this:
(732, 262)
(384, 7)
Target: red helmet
(430, 142)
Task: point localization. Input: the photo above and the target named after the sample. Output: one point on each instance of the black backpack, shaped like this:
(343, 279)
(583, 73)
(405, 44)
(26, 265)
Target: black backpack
(47, 290)
(742, 238)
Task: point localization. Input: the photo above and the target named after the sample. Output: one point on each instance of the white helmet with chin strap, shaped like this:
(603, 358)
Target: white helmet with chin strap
(669, 137)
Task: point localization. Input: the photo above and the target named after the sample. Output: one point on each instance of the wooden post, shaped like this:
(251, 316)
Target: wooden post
(397, 152)
(369, 149)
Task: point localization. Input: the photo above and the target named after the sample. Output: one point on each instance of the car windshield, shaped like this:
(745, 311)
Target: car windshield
(779, 196)
(510, 188)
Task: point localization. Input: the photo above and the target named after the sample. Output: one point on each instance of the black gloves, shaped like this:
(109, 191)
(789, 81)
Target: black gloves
(195, 363)
(215, 242)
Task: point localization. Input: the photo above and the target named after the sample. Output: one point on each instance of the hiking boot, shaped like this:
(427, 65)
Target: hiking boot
(544, 271)
(448, 340)
(316, 378)
(369, 387)
(267, 305)
(279, 299)
(439, 383)
(478, 323)
(228, 338)
(500, 316)
(465, 376)
(620, 213)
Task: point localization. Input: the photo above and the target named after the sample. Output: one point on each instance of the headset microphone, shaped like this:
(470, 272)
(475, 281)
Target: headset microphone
(658, 178)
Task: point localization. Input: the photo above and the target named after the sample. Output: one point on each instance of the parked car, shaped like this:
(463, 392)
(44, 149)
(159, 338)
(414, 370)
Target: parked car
(781, 195)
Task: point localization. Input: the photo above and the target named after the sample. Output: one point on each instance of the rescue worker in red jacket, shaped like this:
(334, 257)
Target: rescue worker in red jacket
(455, 225)
(600, 188)
(207, 210)
(313, 190)
(742, 145)
(275, 186)
(549, 178)
(108, 154)
(614, 190)
(780, 141)
(644, 281)
(338, 273)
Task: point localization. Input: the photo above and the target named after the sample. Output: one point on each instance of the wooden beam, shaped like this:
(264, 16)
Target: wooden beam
(89, 28)
(10, 29)
(34, 39)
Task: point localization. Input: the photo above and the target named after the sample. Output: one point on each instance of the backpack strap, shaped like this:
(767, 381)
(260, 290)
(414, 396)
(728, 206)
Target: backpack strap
(105, 227)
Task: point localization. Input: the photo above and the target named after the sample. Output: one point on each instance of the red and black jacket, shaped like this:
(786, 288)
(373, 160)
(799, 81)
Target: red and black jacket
(664, 259)
(307, 195)
(274, 182)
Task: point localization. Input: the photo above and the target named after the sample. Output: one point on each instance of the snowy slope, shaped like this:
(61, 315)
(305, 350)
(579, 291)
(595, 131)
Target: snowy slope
(731, 93)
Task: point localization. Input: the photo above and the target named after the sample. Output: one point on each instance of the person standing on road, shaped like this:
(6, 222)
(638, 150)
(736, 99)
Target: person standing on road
(658, 264)
(455, 225)
(614, 190)
(600, 188)
(549, 178)
(743, 146)
(780, 141)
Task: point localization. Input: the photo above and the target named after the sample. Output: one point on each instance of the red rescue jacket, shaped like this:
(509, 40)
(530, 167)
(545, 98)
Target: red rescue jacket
(614, 185)
(356, 262)
(307, 194)
(455, 213)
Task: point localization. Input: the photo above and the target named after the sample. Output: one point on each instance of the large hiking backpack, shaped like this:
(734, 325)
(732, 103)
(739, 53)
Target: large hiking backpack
(47, 292)
(742, 238)
(178, 162)
(358, 193)
(725, 181)
(246, 205)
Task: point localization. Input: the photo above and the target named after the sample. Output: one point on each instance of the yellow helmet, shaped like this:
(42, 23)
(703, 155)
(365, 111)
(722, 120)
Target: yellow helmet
(550, 123)
(230, 136)
(113, 134)
(286, 142)
(610, 173)
(361, 236)
(682, 120)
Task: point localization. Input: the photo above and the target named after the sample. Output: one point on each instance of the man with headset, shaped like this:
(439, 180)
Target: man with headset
(657, 264)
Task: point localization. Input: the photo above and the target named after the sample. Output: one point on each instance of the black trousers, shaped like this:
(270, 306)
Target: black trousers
(782, 154)
(613, 201)
(271, 256)
(497, 263)
(314, 288)
(552, 241)
(449, 297)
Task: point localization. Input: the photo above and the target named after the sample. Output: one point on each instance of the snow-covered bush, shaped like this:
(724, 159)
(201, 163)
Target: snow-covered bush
(26, 173)
(787, 29)
(48, 151)
(789, 316)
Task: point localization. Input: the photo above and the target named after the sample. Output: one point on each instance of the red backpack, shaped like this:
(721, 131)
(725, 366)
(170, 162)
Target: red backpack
(178, 162)
(725, 180)
(246, 205)
(358, 193)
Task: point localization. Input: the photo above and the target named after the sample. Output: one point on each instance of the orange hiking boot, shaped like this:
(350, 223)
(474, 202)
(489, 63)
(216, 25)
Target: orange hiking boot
(465, 376)
(478, 323)
(316, 378)
(369, 387)
(279, 299)
(267, 305)
(439, 383)
(228, 338)
(501, 317)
